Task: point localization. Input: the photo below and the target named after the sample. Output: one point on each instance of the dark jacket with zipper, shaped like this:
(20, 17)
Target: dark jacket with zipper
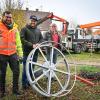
(30, 36)
(48, 37)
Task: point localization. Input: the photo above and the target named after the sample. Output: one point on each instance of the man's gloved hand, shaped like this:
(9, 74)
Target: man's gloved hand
(20, 59)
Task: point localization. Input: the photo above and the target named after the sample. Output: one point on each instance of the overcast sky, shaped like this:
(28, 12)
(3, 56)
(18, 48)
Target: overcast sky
(79, 11)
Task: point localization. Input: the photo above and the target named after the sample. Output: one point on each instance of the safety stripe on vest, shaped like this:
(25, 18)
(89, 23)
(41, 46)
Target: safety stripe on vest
(8, 44)
(7, 49)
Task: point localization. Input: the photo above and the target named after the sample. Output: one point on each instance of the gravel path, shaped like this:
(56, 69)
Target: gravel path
(91, 63)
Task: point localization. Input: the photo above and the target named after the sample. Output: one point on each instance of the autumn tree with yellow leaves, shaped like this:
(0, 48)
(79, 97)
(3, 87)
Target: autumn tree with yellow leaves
(15, 6)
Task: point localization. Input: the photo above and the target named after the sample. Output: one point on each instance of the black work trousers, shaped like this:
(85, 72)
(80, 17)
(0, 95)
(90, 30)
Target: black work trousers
(12, 60)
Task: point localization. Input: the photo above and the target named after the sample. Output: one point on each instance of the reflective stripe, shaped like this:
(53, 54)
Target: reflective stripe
(7, 44)
(18, 46)
(7, 52)
(7, 49)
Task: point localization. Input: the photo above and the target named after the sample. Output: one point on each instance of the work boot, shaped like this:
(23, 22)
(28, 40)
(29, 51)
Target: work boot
(25, 87)
(17, 93)
(2, 95)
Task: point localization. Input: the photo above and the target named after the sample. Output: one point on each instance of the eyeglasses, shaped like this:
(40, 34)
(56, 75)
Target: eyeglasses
(53, 26)
(8, 16)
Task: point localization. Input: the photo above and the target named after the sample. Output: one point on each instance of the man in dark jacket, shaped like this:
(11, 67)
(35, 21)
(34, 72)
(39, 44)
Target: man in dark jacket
(30, 37)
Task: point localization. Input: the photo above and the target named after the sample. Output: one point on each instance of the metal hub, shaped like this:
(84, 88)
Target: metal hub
(51, 68)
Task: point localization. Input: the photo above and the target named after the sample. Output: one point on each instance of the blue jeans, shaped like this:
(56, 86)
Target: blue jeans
(24, 77)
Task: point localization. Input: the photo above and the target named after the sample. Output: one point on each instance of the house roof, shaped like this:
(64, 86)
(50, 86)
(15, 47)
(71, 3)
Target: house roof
(40, 14)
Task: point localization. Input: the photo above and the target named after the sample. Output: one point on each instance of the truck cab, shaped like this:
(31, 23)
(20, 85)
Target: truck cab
(72, 40)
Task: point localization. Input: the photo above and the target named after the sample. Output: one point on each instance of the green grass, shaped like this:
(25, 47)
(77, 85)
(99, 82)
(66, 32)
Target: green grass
(86, 56)
(89, 68)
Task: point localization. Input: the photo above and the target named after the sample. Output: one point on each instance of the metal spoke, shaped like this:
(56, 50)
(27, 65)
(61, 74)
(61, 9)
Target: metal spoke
(49, 84)
(43, 55)
(40, 65)
(63, 72)
(60, 61)
(51, 56)
(58, 80)
(37, 70)
(36, 79)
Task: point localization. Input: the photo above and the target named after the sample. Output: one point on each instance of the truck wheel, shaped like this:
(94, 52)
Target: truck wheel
(97, 50)
(77, 49)
(87, 50)
(84, 48)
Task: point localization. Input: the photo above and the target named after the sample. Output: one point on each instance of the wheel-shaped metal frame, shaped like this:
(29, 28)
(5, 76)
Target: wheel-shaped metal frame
(50, 71)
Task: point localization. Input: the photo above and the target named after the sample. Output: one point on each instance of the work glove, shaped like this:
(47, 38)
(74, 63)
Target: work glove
(20, 59)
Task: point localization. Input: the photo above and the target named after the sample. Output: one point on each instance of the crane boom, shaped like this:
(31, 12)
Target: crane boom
(90, 25)
(56, 18)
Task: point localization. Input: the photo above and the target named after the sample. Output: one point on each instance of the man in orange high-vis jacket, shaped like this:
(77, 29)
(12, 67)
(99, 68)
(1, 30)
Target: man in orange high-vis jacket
(10, 51)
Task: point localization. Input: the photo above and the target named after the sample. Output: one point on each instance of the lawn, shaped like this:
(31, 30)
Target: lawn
(81, 91)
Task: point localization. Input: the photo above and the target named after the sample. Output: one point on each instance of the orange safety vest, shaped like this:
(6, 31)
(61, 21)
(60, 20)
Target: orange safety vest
(7, 40)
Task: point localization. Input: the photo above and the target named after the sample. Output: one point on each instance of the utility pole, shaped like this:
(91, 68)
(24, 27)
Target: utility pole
(27, 3)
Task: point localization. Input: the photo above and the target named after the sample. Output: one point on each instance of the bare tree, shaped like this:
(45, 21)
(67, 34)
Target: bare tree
(15, 6)
(11, 4)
